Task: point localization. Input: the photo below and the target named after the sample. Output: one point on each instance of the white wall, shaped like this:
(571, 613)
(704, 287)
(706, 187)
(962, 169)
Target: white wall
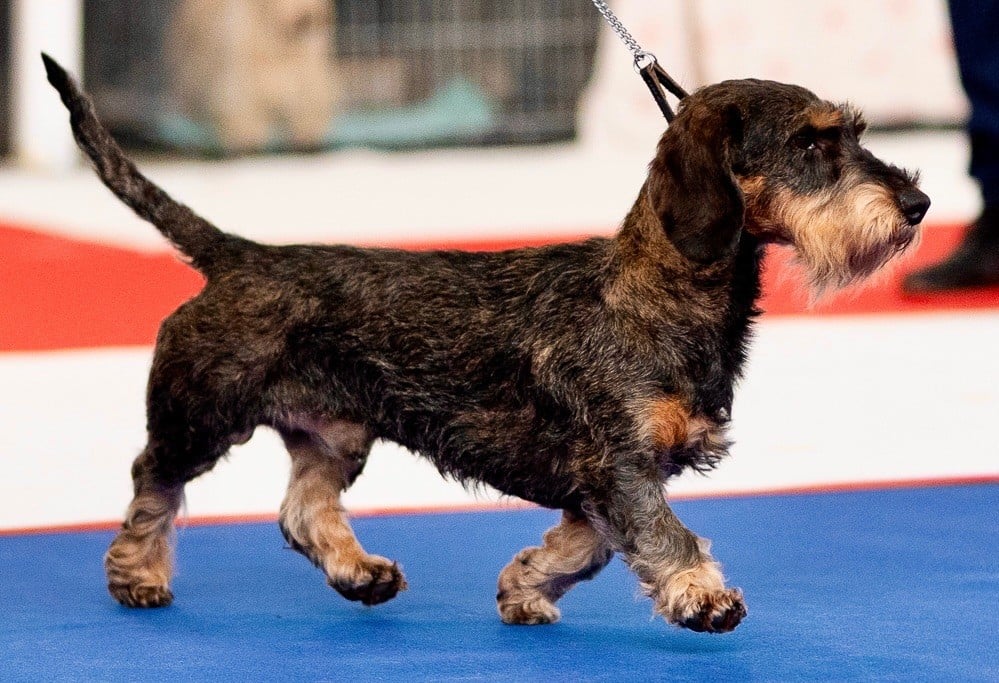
(40, 136)
(893, 58)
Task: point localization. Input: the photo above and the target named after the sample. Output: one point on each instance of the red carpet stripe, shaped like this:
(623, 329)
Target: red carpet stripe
(60, 293)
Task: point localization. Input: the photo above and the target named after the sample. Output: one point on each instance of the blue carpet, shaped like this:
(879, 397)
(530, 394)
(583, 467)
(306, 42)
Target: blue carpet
(887, 585)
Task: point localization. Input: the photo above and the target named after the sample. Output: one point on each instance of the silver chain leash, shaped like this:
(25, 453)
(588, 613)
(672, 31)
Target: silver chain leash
(642, 58)
(646, 64)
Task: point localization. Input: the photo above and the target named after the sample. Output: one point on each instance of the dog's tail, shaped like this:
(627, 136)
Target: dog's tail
(205, 245)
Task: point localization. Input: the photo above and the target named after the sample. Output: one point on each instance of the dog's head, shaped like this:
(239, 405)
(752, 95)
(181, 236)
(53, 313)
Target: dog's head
(778, 162)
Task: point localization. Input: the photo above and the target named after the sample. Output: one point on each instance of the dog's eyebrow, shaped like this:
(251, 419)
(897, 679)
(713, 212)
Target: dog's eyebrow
(826, 119)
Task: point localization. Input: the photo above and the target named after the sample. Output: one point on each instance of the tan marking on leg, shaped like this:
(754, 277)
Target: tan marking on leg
(668, 422)
(324, 463)
(673, 565)
(696, 597)
(139, 562)
(537, 577)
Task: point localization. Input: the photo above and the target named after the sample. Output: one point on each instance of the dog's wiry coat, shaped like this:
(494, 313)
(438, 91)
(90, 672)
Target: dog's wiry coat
(577, 376)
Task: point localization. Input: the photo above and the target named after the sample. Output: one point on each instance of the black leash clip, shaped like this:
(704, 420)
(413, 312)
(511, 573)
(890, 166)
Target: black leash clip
(659, 82)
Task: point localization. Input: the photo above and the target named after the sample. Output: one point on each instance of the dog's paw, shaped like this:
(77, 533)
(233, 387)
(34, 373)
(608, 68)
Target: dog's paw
(373, 581)
(713, 612)
(697, 599)
(519, 599)
(526, 611)
(141, 595)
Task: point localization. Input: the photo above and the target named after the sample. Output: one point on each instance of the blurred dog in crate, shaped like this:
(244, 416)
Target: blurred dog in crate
(255, 72)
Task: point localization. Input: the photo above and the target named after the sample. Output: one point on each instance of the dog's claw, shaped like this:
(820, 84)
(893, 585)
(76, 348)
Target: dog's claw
(141, 595)
(720, 615)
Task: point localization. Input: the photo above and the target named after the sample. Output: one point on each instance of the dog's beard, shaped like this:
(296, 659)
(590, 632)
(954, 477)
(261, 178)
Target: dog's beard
(842, 237)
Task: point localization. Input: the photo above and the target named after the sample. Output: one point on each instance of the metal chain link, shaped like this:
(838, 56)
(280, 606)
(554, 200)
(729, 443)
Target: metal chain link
(623, 33)
(645, 64)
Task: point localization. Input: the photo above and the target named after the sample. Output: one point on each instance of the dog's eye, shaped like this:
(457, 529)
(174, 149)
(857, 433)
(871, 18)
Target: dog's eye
(810, 138)
(806, 140)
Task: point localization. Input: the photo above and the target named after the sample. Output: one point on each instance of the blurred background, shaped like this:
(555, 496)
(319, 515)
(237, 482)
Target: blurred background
(227, 77)
(457, 123)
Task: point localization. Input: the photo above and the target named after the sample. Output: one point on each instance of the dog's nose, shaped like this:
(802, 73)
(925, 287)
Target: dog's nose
(914, 205)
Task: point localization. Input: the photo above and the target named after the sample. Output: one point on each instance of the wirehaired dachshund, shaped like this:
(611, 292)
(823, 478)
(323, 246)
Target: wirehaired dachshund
(577, 376)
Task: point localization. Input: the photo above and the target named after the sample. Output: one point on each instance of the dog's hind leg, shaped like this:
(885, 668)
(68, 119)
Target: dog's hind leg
(325, 460)
(529, 586)
(193, 417)
(139, 562)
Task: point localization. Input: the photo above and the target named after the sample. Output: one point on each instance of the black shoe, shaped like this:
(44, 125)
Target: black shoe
(975, 262)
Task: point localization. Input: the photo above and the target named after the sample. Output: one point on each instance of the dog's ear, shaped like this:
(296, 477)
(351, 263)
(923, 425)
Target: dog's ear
(691, 184)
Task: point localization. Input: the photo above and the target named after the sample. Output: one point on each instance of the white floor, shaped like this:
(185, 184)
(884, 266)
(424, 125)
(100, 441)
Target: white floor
(826, 399)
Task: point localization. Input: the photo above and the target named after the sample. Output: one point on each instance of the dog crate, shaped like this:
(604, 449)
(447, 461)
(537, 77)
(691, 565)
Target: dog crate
(406, 73)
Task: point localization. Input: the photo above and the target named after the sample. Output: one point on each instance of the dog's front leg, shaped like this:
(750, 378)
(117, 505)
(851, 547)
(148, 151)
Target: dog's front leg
(674, 566)
(529, 587)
